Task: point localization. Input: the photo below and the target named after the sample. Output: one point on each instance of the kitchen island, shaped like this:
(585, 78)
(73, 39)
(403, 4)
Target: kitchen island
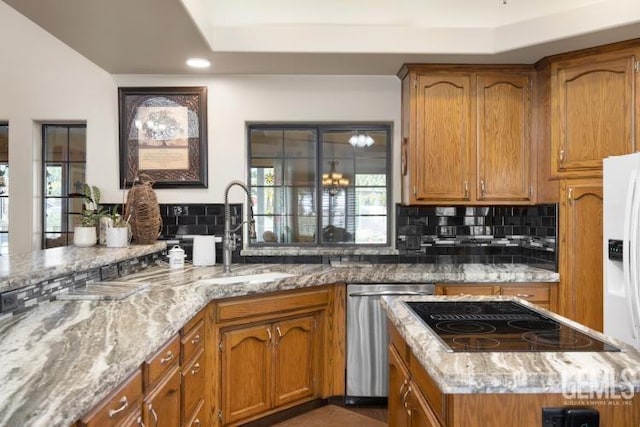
(63, 357)
(431, 386)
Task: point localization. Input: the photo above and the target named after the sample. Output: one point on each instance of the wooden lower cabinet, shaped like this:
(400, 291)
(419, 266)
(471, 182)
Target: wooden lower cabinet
(271, 352)
(268, 366)
(246, 372)
(398, 388)
(295, 359)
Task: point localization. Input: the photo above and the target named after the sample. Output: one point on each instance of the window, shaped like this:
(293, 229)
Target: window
(64, 159)
(4, 188)
(320, 185)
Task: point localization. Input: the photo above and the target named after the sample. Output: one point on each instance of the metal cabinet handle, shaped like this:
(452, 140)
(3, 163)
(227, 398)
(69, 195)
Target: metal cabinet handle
(195, 369)
(196, 339)
(483, 188)
(524, 295)
(124, 404)
(155, 415)
(466, 190)
(270, 336)
(570, 194)
(168, 358)
(140, 423)
(562, 155)
(278, 331)
(196, 422)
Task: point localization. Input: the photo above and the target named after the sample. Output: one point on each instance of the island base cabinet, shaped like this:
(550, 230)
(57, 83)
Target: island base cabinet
(415, 400)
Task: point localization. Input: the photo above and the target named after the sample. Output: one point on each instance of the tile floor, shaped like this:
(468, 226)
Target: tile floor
(337, 416)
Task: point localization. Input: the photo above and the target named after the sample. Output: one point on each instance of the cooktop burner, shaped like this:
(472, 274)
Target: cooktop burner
(475, 326)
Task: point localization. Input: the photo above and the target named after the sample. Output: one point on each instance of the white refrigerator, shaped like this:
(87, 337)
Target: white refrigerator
(621, 235)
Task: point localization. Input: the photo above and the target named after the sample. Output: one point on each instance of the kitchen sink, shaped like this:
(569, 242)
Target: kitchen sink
(104, 291)
(249, 278)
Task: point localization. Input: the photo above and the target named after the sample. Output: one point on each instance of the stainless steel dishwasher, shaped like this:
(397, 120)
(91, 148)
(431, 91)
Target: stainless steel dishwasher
(367, 361)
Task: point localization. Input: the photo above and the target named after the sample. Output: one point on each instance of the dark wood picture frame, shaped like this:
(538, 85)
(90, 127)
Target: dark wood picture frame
(163, 136)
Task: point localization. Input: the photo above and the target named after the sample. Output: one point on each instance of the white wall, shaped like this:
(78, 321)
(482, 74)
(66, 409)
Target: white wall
(42, 80)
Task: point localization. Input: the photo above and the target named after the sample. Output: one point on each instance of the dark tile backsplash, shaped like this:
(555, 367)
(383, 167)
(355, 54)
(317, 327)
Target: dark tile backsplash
(424, 234)
(489, 234)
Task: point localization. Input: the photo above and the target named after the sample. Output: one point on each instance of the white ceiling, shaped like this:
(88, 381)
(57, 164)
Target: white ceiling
(328, 36)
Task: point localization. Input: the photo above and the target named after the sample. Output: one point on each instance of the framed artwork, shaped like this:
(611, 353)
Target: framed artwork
(163, 136)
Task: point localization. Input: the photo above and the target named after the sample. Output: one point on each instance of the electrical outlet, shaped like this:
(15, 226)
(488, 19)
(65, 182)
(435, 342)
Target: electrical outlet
(553, 417)
(8, 301)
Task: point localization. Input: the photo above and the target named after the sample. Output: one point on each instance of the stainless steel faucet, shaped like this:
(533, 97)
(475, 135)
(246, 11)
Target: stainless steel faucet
(229, 241)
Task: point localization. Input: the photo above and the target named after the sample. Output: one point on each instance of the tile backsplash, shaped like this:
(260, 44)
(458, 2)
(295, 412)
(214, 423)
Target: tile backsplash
(487, 234)
(424, 234)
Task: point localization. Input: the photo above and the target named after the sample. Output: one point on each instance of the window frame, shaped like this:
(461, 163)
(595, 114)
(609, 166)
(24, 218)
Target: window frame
(320, 129)
(66, 228)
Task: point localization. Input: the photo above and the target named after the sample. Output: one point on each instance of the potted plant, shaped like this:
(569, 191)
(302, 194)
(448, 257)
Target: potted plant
(117, 230)
(85, 234)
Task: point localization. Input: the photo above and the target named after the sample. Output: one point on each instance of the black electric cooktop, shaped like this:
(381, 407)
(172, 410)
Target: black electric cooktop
(482, 326)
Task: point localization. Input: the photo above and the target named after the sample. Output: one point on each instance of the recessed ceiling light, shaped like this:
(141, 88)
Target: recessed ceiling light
(198, 62)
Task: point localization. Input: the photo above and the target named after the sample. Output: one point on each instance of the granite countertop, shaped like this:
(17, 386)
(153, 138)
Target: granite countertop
(514, 372)
(62, 357)
(24, 269)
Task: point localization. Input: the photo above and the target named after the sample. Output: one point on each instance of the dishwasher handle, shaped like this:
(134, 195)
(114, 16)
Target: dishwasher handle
(389, 293)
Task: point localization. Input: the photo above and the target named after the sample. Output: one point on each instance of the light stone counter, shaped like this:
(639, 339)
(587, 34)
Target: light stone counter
(61, 358)
(515, 372)
(25, 269)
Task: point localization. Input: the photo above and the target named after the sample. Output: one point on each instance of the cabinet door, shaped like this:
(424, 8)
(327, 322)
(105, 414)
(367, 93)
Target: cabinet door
(504, 137)
(161, 407)
(246, 372)
(594, 112)
(444, 138)
(398, 390)
(580, 251)
(295, 359)
(420, 414)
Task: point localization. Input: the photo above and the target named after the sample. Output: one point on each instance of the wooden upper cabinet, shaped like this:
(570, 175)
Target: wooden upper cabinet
(466, 134)
(504, 137)
(444, 138)
(593, 112)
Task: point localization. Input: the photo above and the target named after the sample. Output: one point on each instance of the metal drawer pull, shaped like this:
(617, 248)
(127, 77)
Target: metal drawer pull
(124, 404)
(155, 416)
(140, 423)
(196, 339)
(269, 332)
(195, 369)
(384, 293)
(168, 358)
(525, 295)
(278, 331)
(196, 422)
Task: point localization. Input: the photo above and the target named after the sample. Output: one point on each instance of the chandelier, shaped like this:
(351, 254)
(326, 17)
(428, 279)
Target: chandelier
(334, 181)
(361, 140)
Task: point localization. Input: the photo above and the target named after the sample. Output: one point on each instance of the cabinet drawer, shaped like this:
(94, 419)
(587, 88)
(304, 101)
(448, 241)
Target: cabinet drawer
(192, 341)
(161, 362)
(198, 417)
(119, 406)
(253, 307)
(529, 293)
(470, 290)
(193, 382)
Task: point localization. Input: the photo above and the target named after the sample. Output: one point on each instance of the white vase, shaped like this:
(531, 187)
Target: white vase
(84, 236)
(117, 237)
